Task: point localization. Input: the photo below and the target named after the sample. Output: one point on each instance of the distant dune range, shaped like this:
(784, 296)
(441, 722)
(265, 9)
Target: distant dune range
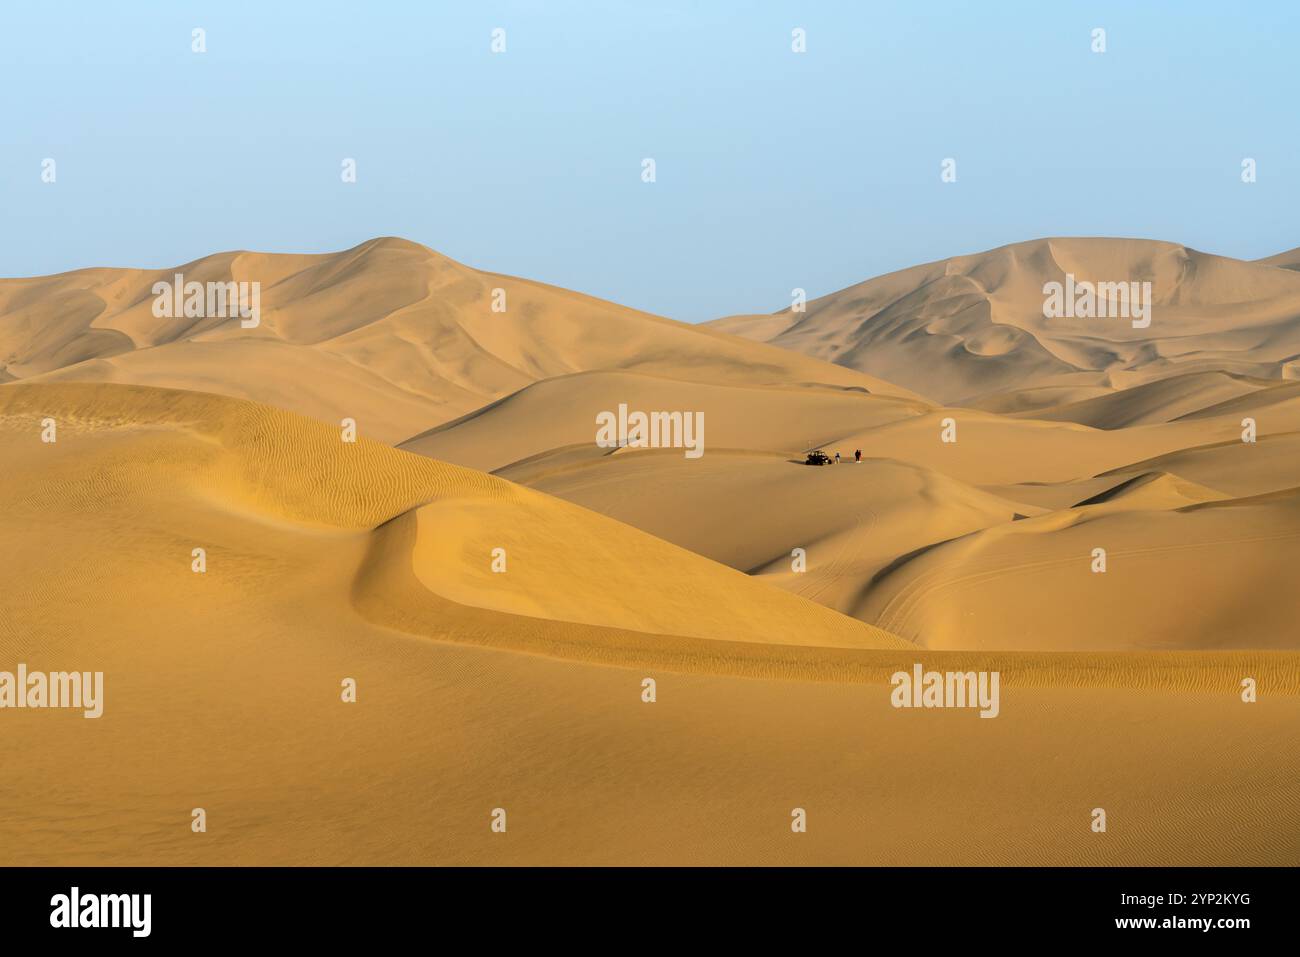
(389, 333)
(972, 326)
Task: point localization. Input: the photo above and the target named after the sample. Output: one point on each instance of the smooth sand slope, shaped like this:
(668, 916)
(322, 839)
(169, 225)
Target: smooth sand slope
(328, 560)
(388, 333)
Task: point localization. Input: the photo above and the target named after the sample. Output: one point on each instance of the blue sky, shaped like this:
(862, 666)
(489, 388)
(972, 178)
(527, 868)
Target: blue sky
(774, 169)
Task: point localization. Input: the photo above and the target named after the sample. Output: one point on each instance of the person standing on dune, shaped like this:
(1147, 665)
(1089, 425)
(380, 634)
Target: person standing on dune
(837, 458)
(857, 456)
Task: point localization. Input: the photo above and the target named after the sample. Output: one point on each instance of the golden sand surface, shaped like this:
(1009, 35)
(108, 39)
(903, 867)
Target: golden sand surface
(500, 588)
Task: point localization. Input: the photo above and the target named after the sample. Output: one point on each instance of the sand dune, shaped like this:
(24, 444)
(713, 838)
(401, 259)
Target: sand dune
(850, 521)
(1178, 576)
(389, 333)
(1162, 400)
(1158, 490)
(1154, 428)
(1284, 260)
(522, 688)
(1066, 411)
(971, 326)
(863, 526)
(562, 562)
(1220, 465)
(562, 412)
(328, 560)
(750, 503)
(990, 450)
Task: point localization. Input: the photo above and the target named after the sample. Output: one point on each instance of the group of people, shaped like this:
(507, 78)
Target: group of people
(857, 456)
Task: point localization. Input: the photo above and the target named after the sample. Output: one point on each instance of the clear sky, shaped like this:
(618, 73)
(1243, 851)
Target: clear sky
(774, 169)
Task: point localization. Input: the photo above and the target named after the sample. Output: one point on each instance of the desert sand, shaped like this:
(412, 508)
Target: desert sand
(522, 687)
(971, 326)
(390, 333)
